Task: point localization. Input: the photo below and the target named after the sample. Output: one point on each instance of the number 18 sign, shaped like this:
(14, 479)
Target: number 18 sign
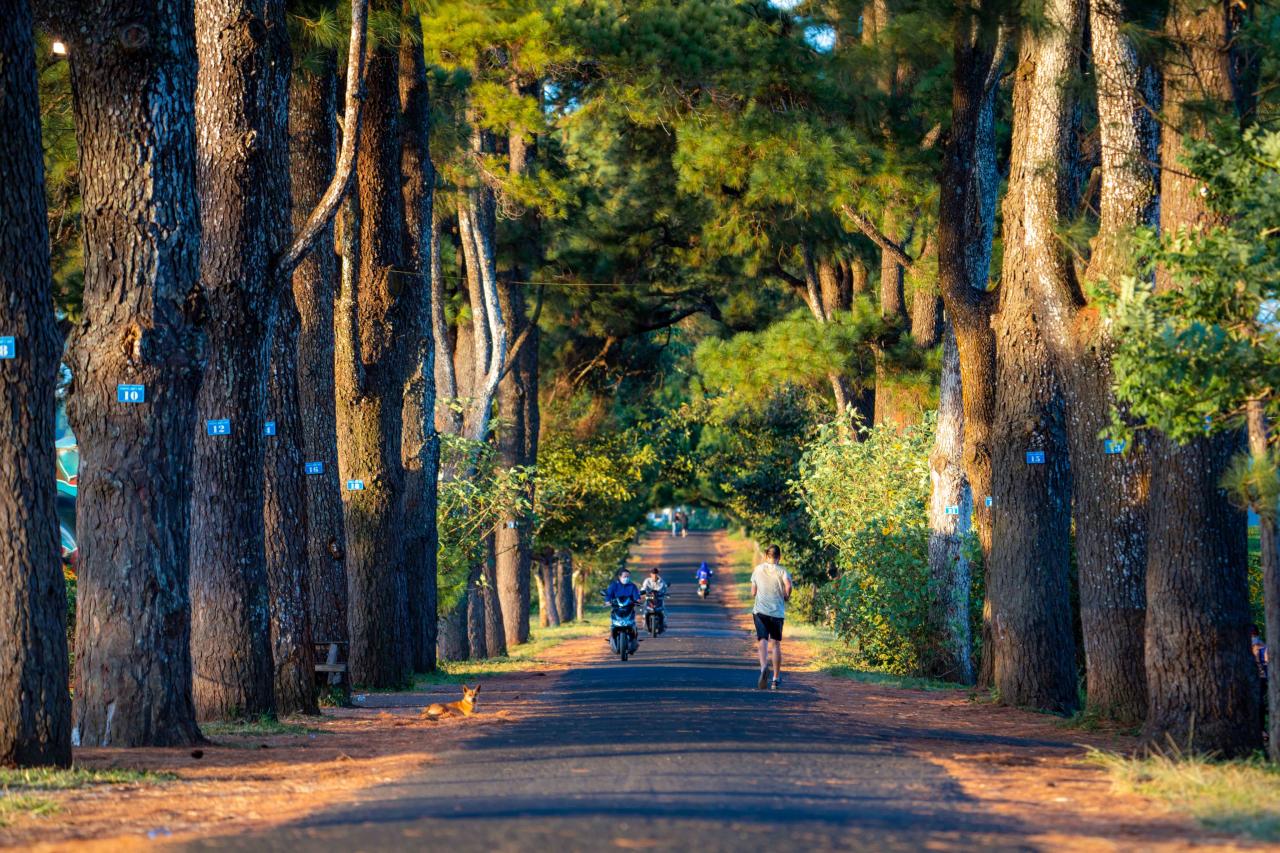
(8, 349)
(355, 485)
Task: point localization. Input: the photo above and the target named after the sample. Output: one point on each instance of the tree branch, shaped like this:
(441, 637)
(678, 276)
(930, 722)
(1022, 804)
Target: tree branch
(327, 207)
(867, 227)
(524, 335)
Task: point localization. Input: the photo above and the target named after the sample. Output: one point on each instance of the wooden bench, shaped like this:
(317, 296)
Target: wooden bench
(333, 670)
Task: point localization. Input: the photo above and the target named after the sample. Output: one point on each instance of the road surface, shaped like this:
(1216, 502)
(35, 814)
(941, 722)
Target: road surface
(673, 750)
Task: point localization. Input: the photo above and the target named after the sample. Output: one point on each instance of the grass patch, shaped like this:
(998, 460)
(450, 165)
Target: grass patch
(528, 656)
(261, 727)
(18, 805)
(828, 654)
(66, 778)
(1234, 796)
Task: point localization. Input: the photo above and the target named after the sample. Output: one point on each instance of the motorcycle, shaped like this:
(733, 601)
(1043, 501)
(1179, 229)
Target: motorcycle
(655, 617)
(622, 627)
(704, 586)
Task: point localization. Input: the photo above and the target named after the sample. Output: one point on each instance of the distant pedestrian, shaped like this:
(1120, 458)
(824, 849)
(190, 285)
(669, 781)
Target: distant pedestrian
(1261, 658)
(771, 589)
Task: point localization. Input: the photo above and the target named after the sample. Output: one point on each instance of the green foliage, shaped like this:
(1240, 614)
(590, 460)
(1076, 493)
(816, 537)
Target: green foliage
(474, 494)
(868, 498)
(747, 457)
(1190, 356)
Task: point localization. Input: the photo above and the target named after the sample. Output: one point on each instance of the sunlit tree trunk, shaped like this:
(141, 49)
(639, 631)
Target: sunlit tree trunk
(1202, 688)
(1028, 573)
(35, 707)
(966, 223)
(950, 514)
(243, 174)
(133, 78)
(1269, 542)
(375, 359)
(1110, 490)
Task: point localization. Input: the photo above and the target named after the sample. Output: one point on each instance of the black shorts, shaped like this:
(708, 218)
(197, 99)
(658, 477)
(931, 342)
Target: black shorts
(768, 627)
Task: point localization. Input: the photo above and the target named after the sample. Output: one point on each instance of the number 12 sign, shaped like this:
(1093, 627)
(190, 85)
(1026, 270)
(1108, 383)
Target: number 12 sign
(218, 427)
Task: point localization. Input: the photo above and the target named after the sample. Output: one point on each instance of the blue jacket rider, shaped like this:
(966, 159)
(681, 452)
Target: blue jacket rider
(704, 571)
(622, 588)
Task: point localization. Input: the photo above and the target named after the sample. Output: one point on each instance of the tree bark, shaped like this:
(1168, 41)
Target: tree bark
(564, 584)
(35, 707)
(375, 359)
(1202, 693)
(312, 149)
(133, 77)
(1269, 540)
(420, 444)
(1110, 494)
(548, 611)
(477, 647)
(517, 447)
(949, 572)
(451, 639)
(966, 224)
(495, 637)
(243, 177)
(926, 318)
(285, 520)
(1028, 574)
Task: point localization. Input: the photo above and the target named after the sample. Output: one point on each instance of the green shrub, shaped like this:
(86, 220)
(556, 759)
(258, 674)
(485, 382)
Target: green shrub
(868, 500)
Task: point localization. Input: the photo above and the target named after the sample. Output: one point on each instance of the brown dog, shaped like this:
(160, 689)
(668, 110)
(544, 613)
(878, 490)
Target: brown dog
(462, 708)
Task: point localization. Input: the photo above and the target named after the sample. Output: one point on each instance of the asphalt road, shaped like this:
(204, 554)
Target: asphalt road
(673, 750)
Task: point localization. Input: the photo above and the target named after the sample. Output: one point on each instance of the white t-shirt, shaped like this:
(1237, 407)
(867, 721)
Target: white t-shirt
(771, 589)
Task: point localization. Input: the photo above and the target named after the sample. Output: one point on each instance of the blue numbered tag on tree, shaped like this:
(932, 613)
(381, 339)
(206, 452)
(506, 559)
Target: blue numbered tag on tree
(1035, 457)
(218, 427)
(952, 510)
(8, 349)
(314, 467)
(131, 394)
(1112, 446)
(269, 428)
(988, 500)
(355, 485)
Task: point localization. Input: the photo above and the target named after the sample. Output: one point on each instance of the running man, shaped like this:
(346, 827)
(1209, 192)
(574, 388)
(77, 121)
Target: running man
(771, 588)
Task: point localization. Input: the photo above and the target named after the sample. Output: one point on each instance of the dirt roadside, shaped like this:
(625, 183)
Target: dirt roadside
(1044, 781)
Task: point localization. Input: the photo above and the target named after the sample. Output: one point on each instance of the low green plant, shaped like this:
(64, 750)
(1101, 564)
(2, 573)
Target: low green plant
(66, 778)
(1240, 796)
(15, 805)
(264, 725)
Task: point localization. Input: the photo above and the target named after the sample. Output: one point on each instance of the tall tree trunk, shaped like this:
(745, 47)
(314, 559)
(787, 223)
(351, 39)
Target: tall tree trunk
(133, 78)
(477, 648)
(1201, 683)
(35, 707)
(966, 224)
(285, 521)
(451, 639)
(564, 584)
(513, 545)
(548, 611)
(420, 443)
(243, 176)
(312, 150)
(1028, 575)
(1110, 494)
(495, 636)
(893, 309)
(950, 514)
(375, 358)
(926, 318)
(1269, 540)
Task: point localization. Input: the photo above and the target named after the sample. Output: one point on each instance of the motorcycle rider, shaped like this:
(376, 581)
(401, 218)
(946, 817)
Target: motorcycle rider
(623, 589)
(655, 584)
(704, 571)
